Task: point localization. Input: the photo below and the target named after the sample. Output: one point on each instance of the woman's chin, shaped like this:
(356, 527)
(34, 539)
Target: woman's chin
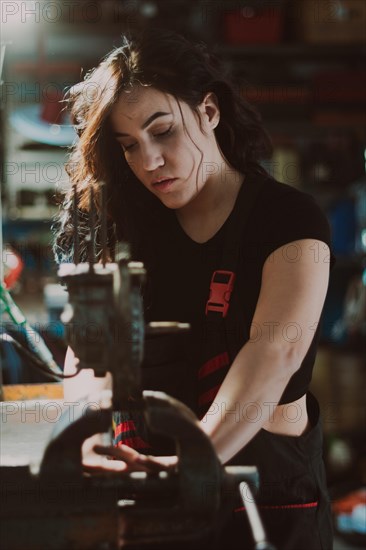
(173, 203)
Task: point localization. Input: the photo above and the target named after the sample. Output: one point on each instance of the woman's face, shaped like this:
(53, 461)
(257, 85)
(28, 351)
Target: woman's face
(163, 144)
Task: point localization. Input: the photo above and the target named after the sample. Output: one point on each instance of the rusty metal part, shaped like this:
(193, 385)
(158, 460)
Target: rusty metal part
(104, 321)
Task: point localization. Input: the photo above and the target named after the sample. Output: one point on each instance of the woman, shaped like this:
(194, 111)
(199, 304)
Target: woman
(180, 151)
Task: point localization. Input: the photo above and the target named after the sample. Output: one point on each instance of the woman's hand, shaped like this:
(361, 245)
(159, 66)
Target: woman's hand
(102, 458)
(135, 461)
(98, 455)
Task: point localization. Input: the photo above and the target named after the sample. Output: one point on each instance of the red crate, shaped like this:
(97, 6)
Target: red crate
(251, 25)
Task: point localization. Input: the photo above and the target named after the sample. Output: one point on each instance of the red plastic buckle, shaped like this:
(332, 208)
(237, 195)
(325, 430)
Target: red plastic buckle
(221, 287)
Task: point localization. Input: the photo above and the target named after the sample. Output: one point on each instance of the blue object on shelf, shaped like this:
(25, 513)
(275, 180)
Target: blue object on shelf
(342, 218)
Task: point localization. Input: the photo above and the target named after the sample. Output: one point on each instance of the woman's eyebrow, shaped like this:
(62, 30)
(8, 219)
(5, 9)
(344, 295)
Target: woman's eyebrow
(146, 123)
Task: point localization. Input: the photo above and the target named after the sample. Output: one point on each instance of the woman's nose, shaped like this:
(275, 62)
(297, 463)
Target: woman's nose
(152, 158)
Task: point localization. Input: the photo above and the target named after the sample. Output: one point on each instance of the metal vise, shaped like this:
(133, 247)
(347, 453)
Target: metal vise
(70, 510)
(61, 508)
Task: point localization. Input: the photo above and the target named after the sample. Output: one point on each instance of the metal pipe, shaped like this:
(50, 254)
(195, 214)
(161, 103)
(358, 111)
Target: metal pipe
(76, 226)
(255, 522)
(91, 243)
(104, 223)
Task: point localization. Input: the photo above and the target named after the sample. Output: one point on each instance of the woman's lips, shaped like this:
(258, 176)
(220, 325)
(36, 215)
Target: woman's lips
(164, 185)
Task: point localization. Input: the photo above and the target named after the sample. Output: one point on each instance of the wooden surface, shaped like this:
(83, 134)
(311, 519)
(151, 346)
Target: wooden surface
(20, 392)
(27, 417)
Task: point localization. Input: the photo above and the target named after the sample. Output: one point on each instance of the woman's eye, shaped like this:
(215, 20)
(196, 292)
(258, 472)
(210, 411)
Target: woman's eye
(165, 133)
(128, 147)
(160, 134)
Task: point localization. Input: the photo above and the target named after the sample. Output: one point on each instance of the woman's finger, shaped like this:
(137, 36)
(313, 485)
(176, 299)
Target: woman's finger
(121, 452)
(135, 460)
(102, 463)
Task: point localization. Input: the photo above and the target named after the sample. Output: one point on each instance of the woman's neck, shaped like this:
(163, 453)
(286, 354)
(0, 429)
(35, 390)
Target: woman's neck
(203, 217)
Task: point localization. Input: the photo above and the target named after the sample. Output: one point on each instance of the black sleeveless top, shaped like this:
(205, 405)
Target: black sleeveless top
(179, 282)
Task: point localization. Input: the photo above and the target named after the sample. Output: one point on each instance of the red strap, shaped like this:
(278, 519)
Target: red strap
(283, 506)
(135, 443)
(123, 427)
(214, 364)
(209, 395)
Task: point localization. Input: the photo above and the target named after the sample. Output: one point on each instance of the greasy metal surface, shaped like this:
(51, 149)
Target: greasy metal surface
(104, 322)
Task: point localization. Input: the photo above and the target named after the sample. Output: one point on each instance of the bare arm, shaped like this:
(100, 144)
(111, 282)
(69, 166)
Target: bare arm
(288, 310)
(85, 384)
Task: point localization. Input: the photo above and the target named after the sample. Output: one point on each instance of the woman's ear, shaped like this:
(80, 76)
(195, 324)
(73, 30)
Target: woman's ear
(209, 109)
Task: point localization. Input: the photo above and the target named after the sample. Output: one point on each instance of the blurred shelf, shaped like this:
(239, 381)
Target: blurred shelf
(346, 348)
(39, 214)
(23, 230)
(356, 261)
(296, 126)
(332, 53)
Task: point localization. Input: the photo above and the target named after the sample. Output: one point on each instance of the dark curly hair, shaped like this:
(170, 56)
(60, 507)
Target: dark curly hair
(174, 65)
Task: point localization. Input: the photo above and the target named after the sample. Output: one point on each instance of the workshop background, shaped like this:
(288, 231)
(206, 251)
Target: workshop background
(302, 63)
